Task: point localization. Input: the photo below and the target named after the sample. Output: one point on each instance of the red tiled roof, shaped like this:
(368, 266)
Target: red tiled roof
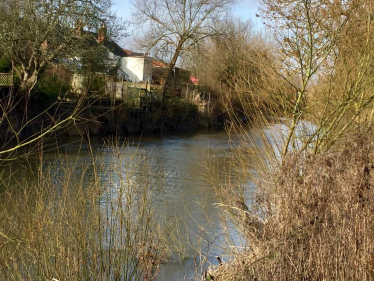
(159, 63)
(133, 54)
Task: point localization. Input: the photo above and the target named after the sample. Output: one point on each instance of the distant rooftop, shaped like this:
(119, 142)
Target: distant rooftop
(159, 63)
(133, 54)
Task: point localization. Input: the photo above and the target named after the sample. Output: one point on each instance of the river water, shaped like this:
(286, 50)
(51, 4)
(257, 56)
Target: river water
(186, 161)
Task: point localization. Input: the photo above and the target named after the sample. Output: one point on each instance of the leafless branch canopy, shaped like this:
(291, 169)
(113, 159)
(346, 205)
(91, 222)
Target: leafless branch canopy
(176, 27)
(33, 33)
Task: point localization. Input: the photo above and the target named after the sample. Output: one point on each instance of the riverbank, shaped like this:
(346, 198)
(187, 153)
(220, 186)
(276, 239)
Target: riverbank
(93, 118)
(315, 219)
(173, 115)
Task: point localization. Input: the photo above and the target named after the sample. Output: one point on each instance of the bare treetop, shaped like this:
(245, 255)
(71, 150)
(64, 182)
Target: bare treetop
(178, 26)
(33, 33)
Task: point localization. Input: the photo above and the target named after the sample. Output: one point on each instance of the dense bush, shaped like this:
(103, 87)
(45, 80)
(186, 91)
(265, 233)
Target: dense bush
(315, 220)
(5, 64)
(180, 110)
(49, 87)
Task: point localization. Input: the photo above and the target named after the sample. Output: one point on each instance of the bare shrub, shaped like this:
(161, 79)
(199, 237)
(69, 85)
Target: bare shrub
(315, 220)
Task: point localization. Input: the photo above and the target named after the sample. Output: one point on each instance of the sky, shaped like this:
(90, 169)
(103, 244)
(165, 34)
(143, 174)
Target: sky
(244, 9)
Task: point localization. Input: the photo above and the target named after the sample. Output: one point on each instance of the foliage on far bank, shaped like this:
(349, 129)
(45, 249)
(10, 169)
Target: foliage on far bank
(54, 82)
(5, 64)
(172, 115)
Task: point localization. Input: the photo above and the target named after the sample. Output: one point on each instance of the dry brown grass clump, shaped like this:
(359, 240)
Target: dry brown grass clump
(318, 220)
(91, 221)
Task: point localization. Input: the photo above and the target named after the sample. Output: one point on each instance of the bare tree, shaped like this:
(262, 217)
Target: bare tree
(33, 33)
(233, 62)
(176, 27)
(319, 55)
(36, 35)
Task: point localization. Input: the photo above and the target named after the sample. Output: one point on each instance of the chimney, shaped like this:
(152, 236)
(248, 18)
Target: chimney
(102, 36)
(79, 27)
(44, 46)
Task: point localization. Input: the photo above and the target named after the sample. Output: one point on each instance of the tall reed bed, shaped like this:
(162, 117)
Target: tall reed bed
(101, 223)
(310, 217)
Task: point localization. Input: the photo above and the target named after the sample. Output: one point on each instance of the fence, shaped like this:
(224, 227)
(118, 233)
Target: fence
(201, 100)
(6, 79)
(124, 90)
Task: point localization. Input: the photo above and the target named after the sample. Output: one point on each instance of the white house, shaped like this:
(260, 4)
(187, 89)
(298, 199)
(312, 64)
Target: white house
(134, 67)
(130, 66)
(137, 66)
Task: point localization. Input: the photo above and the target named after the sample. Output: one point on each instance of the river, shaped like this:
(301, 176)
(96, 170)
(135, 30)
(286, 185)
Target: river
(186, 161)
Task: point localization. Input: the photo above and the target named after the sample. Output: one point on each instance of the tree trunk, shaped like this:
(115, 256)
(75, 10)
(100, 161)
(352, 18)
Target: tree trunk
(171, 66)
(27, 84)
(24, 91)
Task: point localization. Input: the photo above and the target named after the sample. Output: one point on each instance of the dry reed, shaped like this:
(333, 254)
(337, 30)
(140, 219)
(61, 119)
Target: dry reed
(98, 224)
(311, 219)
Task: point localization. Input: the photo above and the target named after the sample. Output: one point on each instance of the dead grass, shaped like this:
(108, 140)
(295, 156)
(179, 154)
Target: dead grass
(99, 224)
(315, 219)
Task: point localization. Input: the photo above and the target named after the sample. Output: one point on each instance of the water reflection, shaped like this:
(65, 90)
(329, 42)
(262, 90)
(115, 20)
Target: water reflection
(183, 162)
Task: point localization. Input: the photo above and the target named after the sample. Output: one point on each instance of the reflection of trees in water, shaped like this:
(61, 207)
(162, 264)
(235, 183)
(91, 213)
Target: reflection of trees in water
(67, 223)
(182, 166)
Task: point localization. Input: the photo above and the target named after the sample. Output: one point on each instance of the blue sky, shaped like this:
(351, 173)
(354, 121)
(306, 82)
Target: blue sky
(245, 9)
